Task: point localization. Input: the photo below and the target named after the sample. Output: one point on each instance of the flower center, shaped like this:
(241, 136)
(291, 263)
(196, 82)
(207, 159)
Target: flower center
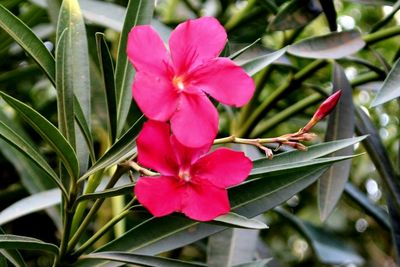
(178, 82)
(184, 175)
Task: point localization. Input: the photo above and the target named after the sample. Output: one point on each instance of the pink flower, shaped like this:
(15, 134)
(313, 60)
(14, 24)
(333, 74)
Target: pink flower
(189, 182)
(174, 86)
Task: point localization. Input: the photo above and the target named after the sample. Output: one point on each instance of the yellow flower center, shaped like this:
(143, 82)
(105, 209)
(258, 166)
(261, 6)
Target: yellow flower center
(178, 82)
(184, 175)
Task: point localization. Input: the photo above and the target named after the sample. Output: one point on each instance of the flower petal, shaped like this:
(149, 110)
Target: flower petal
(146, 50)
(224, 81)
(185, 155)
(160, 195)
(194, 41)
(223, 167)
(155, 96)
(204, 202)
(155, 150)
(195, 123)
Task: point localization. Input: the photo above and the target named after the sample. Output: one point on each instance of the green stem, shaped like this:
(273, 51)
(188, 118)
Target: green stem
(97, 204)
(381, 35)
(100, 233)
(105, 228)
(287, 113)
(292, 82)
(92, 184)
(365, 78)
(386, 19)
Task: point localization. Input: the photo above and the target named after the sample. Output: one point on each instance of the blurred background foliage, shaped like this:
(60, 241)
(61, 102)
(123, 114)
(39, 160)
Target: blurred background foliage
(296, 227)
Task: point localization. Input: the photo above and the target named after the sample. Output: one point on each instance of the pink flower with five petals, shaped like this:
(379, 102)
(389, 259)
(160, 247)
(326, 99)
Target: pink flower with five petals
(190, 181)
(173, 86)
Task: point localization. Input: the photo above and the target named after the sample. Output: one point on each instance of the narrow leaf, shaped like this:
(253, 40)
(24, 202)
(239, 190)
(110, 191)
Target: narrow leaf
(121, 150)
(19, 143)
(138, 12)
(330, 13)
(258, 263)
(137, 259)
(157, 235)
(24, 36)
(48, 132)
(314, 151)
(24, 242)
(390, 89)
(296, 14)
(332, 45)
(253, 66)
(31, 204)
(12, 255)
(107, 72)
(327, 246)
(241, 51)
(235, 220)
(340, 126)
(116, 191)
(75, 65)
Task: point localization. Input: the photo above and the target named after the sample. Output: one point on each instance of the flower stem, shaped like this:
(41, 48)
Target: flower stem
(141, 170)
(97, 204)
(381, 35)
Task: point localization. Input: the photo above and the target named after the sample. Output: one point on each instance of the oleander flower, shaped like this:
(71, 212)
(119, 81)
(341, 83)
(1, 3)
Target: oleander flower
(174, 86)
(190, 181)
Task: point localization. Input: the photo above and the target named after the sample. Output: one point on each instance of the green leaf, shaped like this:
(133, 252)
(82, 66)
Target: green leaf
(107, 72)
(232, 246)
(340, 126)
(332, 45)
(24, 242)
(24, 36)
(327, 246)
(136, 259)
(249, 199)
(390, 88)
(116, 191)
(26, 149)
(379, 214)
(12, 255)
(253, 66)
(258, 263)
(296, 14)
(48, 132)
(157, 235)
(235, 220)
(121, 150)
(30, 204)
(138, 12)
(241, 51)
(314, 151)
(75, 76)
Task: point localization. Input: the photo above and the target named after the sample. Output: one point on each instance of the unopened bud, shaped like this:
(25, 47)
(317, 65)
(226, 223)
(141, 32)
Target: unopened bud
(324, 109)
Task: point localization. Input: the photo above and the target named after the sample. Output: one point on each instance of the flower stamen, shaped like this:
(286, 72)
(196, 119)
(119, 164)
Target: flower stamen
(178, 82)
(185, 175)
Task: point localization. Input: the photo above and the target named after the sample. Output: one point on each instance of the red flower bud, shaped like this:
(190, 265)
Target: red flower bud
(324, 109)
(327, 106)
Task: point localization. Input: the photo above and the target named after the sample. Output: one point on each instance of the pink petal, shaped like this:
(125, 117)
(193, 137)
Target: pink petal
(160, 195)
(195, 123)
(204, 202)
(186, 156)
(223, 167)
(155, 150)
(194, 41)
(224, 81)
(155, 96)
(146, 50)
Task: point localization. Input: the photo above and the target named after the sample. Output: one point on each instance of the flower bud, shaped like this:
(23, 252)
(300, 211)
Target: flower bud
(324, 109)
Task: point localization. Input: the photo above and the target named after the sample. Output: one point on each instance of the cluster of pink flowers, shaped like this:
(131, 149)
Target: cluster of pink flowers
(172, 88)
